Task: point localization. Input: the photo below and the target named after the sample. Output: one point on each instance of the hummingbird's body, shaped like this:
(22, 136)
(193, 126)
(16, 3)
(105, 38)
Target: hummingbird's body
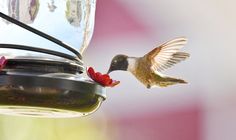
(147, 69)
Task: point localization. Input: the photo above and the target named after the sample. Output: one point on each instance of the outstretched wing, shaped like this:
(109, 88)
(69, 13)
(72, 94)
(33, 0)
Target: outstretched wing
(168, 54)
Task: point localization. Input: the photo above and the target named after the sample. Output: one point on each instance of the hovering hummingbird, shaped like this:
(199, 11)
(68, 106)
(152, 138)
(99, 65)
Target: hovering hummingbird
(147, 69)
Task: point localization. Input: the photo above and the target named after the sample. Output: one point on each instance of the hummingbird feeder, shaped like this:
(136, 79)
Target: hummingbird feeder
(42, 76)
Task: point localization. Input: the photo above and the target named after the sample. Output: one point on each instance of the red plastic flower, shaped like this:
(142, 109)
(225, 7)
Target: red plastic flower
(102, 79)
(3, 62)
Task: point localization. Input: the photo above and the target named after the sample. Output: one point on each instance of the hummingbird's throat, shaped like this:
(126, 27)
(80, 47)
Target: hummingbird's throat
(131, 64)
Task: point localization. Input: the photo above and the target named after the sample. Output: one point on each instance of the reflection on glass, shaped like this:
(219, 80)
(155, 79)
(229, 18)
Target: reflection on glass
(72, 12)
(52, 6)
(72, 22)
(16, 9)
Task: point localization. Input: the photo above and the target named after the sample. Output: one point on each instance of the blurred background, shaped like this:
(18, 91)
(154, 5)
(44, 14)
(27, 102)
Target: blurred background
(202, 110)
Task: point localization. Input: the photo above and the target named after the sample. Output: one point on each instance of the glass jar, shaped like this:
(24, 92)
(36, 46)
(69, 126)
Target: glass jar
(71, 21)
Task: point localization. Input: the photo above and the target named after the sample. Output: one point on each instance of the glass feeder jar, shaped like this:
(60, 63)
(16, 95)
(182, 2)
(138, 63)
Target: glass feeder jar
(43, 42)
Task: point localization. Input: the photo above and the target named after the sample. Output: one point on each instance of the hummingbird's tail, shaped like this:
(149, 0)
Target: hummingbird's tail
(167, 81)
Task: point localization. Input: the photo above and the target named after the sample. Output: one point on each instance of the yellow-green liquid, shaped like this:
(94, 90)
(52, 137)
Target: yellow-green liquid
(53, 102)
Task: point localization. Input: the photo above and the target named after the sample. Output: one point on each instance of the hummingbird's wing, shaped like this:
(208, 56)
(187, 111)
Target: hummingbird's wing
(167, 54)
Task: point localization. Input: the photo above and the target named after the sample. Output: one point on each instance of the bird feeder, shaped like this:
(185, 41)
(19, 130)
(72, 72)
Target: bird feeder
(43, 74)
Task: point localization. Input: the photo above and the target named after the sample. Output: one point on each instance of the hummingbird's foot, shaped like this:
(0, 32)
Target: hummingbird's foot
(148, 86)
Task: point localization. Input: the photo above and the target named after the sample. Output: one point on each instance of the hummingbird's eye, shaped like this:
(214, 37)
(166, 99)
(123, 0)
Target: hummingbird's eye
(115, 61)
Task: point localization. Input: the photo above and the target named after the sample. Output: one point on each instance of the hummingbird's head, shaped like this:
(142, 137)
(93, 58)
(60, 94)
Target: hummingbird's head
(119, 62)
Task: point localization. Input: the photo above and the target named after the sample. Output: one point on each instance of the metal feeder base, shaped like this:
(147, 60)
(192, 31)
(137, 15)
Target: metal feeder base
(43, 94)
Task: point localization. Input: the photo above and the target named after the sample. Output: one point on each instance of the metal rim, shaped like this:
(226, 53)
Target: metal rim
(82, 86)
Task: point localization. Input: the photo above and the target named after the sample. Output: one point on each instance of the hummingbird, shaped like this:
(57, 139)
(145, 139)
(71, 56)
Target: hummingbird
(148, 68)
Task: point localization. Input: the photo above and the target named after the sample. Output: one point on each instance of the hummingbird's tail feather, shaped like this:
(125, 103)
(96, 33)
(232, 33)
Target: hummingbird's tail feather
(167, 81)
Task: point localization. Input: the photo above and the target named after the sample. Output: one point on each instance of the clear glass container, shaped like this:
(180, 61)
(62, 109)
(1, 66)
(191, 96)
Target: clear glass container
(71, 21)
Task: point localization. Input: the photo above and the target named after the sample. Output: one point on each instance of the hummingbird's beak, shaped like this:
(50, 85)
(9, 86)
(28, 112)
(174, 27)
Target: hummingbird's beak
(110, 70)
